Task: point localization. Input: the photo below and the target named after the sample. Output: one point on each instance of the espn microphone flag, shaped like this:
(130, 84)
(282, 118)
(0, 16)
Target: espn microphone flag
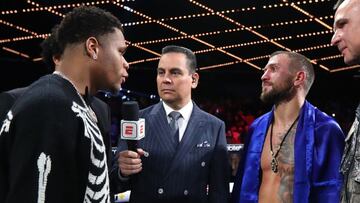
(133, 130)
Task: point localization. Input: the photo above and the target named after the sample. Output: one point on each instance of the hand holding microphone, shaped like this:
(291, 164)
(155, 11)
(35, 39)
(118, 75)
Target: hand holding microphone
(132, 130)
(129, 162)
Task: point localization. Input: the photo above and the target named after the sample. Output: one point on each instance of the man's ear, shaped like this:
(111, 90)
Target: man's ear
(195, 80)
(56, 59)
(300, 78)
(92, 47)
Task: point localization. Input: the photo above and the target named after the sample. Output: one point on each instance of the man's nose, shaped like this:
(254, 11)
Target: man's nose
(335, 39)
(125, 63)
(167, 78)
(264, 76)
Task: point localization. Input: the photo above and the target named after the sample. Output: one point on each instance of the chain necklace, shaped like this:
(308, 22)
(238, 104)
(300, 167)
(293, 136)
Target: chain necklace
(91, 114)
(274, 162)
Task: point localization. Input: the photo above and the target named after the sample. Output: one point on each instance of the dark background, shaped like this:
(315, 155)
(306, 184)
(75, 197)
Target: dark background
(232, 41)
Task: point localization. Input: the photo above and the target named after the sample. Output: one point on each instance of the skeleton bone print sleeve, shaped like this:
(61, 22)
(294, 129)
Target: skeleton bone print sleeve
(53, 154)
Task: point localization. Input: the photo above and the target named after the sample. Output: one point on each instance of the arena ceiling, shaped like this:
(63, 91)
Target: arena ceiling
(224, 34)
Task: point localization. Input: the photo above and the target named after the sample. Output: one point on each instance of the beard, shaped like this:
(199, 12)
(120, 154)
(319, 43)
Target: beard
(279, 94)
(354, 60)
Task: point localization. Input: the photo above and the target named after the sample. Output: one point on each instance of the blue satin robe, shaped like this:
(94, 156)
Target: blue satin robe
(319, 144)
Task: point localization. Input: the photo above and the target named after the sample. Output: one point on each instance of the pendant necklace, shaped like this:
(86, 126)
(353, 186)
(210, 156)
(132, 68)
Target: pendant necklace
(274, 162)
(89, 111)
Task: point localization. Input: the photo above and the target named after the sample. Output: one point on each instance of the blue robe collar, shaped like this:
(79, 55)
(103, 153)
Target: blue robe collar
(304, 141)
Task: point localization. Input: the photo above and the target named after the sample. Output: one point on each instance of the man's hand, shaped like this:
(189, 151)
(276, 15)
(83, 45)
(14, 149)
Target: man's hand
(129, 162)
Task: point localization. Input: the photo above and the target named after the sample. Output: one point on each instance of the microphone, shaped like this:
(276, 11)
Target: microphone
(132, 128)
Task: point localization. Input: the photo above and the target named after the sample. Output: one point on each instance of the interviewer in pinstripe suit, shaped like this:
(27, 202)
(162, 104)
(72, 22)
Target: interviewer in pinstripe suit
(196, 168)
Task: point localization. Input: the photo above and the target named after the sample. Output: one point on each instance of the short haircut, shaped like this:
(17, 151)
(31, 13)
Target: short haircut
(50, 48)
(299, 62)
(84, 22)
(190, 56)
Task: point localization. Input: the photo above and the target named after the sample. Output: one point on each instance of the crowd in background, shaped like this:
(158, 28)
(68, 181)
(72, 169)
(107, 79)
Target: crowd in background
(239, 113)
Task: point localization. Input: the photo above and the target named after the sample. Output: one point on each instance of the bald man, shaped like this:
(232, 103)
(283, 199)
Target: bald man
(346, 38)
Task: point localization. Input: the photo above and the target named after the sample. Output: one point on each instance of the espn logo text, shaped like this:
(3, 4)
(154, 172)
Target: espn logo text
(132, 130)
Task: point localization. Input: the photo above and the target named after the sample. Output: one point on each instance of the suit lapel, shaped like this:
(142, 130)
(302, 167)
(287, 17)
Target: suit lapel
(191, 137)
(160, 128)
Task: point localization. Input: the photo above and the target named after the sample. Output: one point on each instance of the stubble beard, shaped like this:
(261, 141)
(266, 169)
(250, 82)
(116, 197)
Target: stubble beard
(278, 95)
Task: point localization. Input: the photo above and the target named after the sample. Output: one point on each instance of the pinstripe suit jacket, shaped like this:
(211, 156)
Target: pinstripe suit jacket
(197, 170)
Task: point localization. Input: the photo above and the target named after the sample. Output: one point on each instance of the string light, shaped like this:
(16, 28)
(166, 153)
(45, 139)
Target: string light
(256, 33)
(144, 60)
(15, 52)
(190, 16)
(61, 6)
(230, 31)
(241, 26)
(148, 50)
(324, 67)
(42, 36)
(327, 58)
(210, 11)
(218, 65)
(181, 32)
(5, 41)
(17, 27)
(9, 12)
(118, 1)
(37, 59)
(257, 58)
(311, 16)
(288, 4)
(312, 48)
(344, 68)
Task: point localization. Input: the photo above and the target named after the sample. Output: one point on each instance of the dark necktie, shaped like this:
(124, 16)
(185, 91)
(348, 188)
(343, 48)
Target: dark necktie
(174, 125)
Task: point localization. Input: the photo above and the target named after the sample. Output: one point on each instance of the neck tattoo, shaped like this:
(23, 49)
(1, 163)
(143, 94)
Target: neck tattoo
(274, 162)
(89, 111)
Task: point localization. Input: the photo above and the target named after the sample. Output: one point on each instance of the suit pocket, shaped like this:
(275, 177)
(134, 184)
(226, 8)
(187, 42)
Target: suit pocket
(200, 150)
(200, 155)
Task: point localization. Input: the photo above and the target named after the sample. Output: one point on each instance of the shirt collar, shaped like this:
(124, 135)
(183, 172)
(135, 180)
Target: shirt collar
(184, 111)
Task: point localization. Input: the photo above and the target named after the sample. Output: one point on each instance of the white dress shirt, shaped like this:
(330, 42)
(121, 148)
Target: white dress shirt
(184, 119)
